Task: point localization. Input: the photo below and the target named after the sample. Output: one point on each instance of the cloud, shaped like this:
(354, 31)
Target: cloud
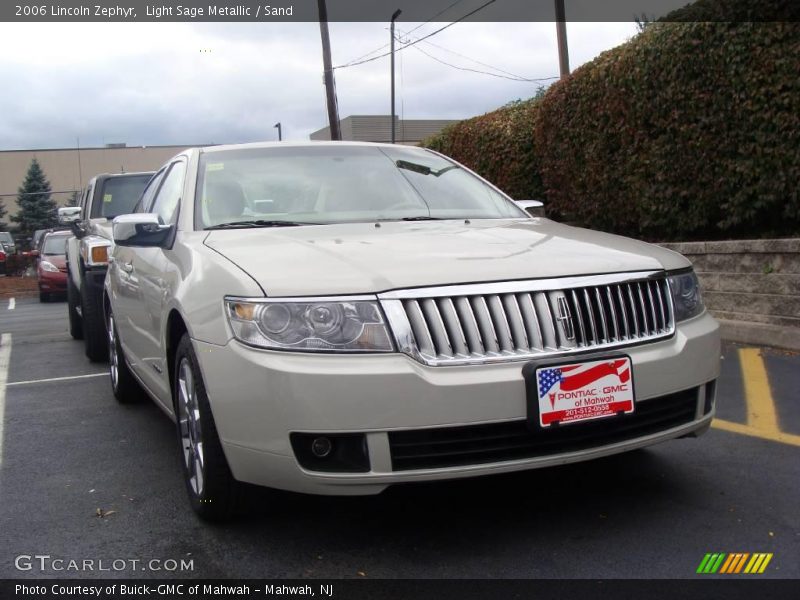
(190, 83)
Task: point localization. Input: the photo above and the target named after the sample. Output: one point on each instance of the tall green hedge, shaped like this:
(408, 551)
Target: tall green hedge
(498, 146)
(687, 131)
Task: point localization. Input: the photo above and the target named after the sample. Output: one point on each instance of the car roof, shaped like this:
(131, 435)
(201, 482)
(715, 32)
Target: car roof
(311, 144)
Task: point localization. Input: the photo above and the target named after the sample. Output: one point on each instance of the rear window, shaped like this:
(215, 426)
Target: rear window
(55, 244)
(6, 237)
(119, 196)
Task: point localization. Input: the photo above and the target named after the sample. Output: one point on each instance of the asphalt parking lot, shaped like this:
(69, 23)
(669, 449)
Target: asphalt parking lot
(82, 477)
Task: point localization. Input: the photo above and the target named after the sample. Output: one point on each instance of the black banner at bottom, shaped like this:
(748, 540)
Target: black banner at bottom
(433, 589)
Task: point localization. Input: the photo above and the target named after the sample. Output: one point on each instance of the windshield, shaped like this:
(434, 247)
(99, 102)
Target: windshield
(55, 244)
(339, 184)
(6, 237)
(119, 196)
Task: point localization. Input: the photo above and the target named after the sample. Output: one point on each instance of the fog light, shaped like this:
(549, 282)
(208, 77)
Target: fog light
(321, 447)
(331, 452)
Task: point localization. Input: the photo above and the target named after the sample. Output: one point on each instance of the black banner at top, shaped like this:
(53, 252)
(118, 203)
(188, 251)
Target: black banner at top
(413, 11)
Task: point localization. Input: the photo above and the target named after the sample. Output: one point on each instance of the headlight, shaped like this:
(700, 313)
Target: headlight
(48, 266)
(686, 295)
(94, 251)
(329, 326)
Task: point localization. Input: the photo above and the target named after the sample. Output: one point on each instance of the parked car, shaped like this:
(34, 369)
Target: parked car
(3, 263)
(105, 197)
(393, 318)
(38, 237)
(52, 266)
(7, 243)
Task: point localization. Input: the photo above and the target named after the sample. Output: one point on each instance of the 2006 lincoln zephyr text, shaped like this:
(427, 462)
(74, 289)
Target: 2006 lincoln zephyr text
(333, 318)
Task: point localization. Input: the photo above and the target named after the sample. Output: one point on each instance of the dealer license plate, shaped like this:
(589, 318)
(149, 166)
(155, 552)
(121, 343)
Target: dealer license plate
(581, 391)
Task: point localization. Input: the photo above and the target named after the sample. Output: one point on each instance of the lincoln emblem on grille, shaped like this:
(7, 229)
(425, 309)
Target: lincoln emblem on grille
(565, 318)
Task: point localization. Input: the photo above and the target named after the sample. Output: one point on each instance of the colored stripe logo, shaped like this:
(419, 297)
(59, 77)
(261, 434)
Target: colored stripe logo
(734, 563)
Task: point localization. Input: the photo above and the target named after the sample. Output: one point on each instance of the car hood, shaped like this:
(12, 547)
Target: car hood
(101, 227)
(358, 258)
(59, 260)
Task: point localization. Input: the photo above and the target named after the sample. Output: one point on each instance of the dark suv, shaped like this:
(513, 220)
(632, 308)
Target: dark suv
(105, 197)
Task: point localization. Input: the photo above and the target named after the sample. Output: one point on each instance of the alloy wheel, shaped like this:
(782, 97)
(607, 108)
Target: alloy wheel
(190, 428)
(113, 357)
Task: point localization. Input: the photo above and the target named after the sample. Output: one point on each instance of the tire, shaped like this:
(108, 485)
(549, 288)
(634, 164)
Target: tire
(213, 492)
(126, 389)
(95, 338)
(44, 297)
(75, 322)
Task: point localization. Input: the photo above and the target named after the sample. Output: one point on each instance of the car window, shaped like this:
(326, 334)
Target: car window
(85, 199)
(55, 244)
(146, 201)
(119, 195)
(339, 184)
(6, 237)
(166, 203)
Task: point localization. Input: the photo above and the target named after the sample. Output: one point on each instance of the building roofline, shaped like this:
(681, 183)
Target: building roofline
(133, 147)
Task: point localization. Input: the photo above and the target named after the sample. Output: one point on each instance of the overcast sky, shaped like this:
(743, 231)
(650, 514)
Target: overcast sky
(194, 83)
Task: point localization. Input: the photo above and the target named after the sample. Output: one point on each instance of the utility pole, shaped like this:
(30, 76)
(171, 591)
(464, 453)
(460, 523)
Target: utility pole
(330, 86)
(395, 14)
(280, 134)
(561, 35)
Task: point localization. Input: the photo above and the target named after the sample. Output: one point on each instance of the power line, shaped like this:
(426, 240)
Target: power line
(469, 14)
(514, 78)
(358, 58)
(444, 10)
(483, 64)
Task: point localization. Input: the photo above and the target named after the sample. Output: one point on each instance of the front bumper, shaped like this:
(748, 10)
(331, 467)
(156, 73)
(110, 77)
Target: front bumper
(260, 397)
(52, 282)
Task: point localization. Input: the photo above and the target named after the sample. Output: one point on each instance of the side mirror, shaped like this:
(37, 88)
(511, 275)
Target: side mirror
(534, 208)
(69, 214)
(141, 229)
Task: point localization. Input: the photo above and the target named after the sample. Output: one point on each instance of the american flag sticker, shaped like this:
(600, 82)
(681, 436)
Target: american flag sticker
(584, 391)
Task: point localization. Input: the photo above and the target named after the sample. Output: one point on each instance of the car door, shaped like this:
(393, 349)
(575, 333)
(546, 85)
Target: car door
(124, 284)
(144, 268)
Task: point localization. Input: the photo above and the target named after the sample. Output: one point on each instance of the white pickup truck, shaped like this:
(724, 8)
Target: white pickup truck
(105, 197)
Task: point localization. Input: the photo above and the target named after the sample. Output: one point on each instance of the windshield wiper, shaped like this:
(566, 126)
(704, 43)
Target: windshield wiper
(421, 218)
(257, 223)
(423, 169)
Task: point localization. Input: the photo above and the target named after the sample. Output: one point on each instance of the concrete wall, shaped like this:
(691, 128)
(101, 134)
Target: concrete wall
(752, 287)
(68, 169)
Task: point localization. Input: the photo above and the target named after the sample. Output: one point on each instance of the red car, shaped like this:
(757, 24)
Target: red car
(52, 267)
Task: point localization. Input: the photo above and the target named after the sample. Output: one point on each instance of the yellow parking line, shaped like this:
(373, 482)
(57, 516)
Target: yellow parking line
(760, 406)
(777, 436)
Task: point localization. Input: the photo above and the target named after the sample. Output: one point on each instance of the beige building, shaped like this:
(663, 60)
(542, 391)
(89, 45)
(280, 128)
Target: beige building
(378, 128)
(68, 169)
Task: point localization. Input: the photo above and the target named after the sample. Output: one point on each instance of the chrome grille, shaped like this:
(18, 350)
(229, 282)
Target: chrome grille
(517, 320)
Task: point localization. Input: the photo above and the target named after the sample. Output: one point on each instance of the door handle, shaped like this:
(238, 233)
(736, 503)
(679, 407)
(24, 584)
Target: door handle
(127, 267)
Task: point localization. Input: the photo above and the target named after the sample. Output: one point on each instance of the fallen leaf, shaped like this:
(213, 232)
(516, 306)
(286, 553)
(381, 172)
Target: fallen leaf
(361, 574)
(104, 513)
(771, 534)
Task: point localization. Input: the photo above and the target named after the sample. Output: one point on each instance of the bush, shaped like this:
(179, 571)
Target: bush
(687, 131)
(497, 146)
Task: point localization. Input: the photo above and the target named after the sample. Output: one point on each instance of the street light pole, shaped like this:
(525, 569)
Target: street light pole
(394, 17)
(561, 35)
(280, 134)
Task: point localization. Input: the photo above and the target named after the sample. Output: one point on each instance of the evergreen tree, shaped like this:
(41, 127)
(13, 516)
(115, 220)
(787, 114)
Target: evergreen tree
(3, 211)
(73, 199)
(36, 209)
